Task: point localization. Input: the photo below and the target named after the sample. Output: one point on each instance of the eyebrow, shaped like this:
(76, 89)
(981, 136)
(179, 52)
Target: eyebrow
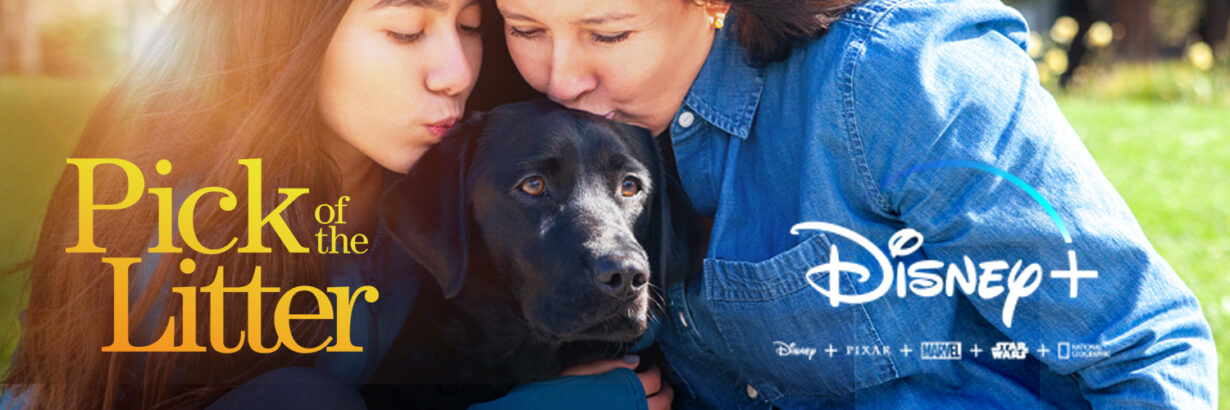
(430, 4)
(508, 15)
(608, 17)
(588, 21)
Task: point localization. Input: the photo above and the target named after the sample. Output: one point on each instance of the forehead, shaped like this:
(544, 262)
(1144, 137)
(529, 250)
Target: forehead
(435, 5)
(431, 4)
(579, 11)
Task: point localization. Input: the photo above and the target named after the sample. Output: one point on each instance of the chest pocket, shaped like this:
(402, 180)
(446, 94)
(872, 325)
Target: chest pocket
(784, 336)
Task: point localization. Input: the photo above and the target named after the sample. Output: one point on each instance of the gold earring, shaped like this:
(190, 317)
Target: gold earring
(718, 19)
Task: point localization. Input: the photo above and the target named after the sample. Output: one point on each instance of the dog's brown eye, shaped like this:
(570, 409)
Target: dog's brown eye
(630, 187)
(534, 186)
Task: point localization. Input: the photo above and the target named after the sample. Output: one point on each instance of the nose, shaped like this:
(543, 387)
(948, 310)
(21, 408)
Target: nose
(621, 276)
(570, 77)
(450, 72)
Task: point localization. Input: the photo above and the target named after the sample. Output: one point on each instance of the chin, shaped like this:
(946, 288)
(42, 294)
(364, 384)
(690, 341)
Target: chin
(619, 330)
(400, 163)
(626, 326)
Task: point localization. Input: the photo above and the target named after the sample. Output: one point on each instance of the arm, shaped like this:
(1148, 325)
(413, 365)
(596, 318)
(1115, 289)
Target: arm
(610, 384)
(616, 389)
(935, 85)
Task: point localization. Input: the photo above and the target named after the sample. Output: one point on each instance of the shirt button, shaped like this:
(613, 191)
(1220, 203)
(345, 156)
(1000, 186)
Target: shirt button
(751, 392)
(686, 119)
(682, 321)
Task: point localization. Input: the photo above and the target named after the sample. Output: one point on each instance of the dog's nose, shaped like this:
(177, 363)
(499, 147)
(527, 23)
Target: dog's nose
(620, 276)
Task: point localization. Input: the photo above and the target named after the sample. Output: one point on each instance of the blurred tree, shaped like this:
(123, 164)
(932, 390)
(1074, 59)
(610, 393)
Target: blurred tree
(20, 48)
(1082, 11)
(83, 44)
(1136, 18)
(1213, 24)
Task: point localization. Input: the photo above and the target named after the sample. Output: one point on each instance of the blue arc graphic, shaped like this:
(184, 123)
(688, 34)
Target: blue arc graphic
(1046, 205)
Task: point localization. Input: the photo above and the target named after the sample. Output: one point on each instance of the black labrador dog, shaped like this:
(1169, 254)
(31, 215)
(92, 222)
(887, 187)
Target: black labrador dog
(548, 232)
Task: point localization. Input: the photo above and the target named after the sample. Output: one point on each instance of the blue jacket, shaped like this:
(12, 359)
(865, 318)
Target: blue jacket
(924, 115)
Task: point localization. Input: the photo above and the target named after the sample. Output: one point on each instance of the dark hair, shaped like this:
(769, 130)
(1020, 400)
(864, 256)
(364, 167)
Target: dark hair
(769, 29)
(499, 82)
(221, 80)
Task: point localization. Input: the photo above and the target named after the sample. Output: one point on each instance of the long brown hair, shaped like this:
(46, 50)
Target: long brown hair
(220, 81)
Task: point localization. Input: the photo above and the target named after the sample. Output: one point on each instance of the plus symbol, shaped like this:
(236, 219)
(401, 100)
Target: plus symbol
(1073, 274)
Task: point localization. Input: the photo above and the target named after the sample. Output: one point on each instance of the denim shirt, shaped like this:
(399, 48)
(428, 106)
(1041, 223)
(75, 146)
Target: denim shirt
(891, 121)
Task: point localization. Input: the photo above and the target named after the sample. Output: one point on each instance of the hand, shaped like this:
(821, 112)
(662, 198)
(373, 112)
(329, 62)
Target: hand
(658, 394)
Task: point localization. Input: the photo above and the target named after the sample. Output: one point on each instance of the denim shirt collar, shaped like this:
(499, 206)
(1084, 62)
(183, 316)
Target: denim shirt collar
(727, 91)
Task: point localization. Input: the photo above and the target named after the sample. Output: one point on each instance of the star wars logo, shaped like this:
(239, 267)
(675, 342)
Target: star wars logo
(1009, 350)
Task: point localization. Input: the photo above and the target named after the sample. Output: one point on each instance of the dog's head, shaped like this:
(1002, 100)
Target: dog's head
(554, 219)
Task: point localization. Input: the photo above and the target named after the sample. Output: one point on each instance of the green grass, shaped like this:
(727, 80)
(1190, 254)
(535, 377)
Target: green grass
(40, 120)
(1168, 81)
(1171, 163)
(1169, 160)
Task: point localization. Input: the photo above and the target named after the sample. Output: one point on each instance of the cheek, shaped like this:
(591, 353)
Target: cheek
(533, 61)
(341, 90)
(375, 75)
(629, 75)
(474, 57)
(365, 87)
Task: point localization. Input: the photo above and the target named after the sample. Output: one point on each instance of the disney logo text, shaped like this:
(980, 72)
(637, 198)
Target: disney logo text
(924, 277)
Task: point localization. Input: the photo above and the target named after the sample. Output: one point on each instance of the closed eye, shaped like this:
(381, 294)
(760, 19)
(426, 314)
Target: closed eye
(611, 39)
(470, 29)
(403, 38)
(531, 33)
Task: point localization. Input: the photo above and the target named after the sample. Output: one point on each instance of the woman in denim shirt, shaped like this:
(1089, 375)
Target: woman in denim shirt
(876, 117)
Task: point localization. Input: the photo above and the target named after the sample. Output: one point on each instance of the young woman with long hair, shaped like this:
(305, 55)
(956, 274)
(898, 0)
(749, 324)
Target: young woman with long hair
(330, 95)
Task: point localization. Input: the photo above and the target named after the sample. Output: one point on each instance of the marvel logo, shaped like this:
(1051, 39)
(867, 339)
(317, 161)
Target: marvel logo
(941, 350)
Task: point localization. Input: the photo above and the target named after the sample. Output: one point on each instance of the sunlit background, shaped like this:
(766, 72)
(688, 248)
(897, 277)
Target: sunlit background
(75, 38)
(1146, 83)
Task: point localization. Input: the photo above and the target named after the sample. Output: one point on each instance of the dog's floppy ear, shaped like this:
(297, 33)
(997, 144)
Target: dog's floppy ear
(427, 210)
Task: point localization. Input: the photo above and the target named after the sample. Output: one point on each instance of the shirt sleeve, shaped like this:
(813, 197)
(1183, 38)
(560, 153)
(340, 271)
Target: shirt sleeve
(11, 400)
(616, 389)
(957, 132)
